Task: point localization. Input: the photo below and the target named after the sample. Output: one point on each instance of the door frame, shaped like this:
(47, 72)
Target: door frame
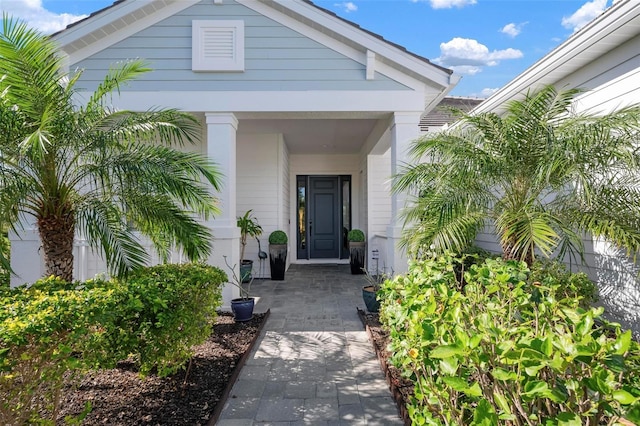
(344, 213)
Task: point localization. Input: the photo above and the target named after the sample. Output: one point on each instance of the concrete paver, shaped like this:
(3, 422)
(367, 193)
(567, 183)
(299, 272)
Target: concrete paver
(313, 363)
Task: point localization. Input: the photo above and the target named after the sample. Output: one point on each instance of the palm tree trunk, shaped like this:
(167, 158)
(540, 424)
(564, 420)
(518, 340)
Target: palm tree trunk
(509, 252)
(56, 234)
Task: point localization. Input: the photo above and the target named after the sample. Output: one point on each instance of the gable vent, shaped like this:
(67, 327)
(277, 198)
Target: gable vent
(218, 43)
(218, 46)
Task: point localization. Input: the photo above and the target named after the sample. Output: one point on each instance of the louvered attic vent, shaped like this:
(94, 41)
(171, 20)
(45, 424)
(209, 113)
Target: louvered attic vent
(217, 46)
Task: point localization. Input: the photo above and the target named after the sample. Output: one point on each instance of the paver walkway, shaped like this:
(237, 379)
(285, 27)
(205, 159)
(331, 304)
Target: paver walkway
(313, 363)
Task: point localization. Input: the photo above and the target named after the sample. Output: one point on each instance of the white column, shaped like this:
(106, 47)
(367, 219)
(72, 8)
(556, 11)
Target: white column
(404, 130)
(221, 148)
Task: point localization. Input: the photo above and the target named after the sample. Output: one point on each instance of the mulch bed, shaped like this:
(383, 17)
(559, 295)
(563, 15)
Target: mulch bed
(121, 397)
(401, 389)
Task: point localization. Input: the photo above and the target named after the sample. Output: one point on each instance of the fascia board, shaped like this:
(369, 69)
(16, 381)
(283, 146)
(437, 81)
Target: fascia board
(373, 102)
(425, 72)
(101, 31)
(624, 13)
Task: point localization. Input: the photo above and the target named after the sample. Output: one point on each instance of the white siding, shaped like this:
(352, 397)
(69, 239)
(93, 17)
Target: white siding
(379, 205)
(612, 81)
(259, 187)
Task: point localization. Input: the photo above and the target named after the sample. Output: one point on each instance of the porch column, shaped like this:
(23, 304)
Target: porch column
(221, 148)
(404, 129)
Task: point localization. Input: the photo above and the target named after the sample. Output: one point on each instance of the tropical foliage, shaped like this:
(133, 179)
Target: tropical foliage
(91, 169)
(53, 331)
(540, 174)
(500, 349)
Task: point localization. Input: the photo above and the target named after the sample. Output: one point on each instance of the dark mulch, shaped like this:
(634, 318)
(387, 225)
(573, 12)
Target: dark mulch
(121, 397)
(401, 389)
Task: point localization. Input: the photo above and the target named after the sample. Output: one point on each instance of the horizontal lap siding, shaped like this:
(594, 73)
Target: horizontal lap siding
(276, 58)
(258, 186)
(613, 82)
(379, 206)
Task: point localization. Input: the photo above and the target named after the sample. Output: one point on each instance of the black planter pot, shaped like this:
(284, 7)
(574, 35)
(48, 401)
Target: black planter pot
(278, 261)
(246, 266)
(370, 300)
(242, 309)
(356, 257)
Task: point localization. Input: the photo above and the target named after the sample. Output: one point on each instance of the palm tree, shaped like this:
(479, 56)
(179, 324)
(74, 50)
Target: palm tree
(541, 175)
(91, 169)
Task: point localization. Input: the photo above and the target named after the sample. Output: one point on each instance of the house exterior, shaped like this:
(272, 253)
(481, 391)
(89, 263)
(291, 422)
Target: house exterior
(604, 59)
(306, 114)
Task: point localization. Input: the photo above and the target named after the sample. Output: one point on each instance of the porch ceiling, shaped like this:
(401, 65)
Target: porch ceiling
(322, 135)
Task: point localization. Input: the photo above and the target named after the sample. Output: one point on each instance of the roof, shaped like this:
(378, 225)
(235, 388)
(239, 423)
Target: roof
(443, 114)
(616, 25)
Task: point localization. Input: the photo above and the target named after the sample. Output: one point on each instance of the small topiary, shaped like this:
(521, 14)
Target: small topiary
(278, 237)
(356, 236)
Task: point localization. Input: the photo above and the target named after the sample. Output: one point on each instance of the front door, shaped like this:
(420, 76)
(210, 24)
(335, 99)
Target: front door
(324, 218)
(323, 215)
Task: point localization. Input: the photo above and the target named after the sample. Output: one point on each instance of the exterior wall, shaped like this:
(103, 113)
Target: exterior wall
(378, 207)
(276, 58)
(612, 81)
(259, 180)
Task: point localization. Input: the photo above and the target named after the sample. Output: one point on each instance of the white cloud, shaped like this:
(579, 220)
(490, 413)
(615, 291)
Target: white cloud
(513, 30)
(486, 92)
(448, 4)
(467, 56)
(584, 15)
(348, 6)
(36, 16)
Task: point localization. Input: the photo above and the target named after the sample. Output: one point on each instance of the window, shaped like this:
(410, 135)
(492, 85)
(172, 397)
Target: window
(217, 46)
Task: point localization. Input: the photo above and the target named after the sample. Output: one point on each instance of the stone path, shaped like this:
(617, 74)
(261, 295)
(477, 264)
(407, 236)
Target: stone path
(313, 364)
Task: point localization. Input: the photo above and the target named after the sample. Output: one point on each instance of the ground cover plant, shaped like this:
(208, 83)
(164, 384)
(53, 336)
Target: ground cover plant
(498, 348)
(54, 329)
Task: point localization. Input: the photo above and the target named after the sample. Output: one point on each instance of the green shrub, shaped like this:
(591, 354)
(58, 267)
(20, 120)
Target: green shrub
(43, 329)
(278, 237)
(572, 285)
(5, 249)
(499, 351)
(356, 236)
(161, 313)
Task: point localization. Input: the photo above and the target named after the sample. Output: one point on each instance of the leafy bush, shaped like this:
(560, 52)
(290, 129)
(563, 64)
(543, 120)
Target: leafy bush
(500, 351)
(573, 285)
(55, 327)
(5, 251)
(356, 236)
(161, 312)
(278, 237)
(43, 329)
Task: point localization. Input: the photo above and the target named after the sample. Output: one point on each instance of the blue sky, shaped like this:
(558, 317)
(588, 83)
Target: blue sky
(488, 42)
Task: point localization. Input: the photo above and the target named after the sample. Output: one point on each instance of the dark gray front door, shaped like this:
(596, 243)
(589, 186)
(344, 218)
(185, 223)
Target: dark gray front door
(324, 217)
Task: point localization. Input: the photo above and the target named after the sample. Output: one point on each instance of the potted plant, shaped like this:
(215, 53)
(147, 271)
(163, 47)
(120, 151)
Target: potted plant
(242, 307)
(249, 227)
(370, 290)
(278, 254)
(356, 251)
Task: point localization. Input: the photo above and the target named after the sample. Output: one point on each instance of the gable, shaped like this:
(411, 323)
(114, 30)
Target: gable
(276, 57)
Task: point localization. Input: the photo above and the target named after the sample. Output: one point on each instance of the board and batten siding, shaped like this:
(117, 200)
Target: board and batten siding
(277, 58)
